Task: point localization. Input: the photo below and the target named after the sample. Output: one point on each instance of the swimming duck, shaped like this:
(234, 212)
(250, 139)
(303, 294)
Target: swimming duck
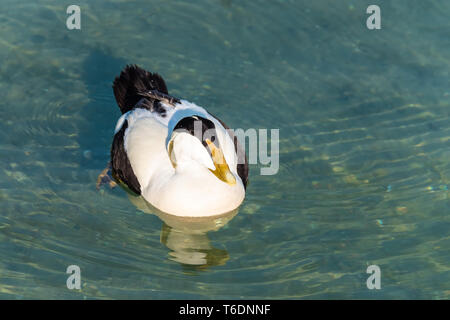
(175, 154)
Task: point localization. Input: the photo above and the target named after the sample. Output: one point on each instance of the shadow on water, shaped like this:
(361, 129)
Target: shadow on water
(101, 113)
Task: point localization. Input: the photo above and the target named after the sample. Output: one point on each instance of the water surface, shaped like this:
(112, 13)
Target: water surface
(364, 149)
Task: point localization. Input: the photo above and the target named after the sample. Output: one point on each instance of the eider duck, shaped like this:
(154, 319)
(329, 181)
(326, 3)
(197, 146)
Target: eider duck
(175, 154)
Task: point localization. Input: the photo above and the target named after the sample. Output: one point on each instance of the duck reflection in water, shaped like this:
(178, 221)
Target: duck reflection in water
(187, 237)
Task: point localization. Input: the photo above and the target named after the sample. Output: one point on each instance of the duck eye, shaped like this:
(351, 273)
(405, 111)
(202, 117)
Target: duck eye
(213, 139)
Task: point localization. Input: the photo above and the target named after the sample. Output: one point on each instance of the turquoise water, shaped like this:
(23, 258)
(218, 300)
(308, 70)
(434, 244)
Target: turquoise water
(364, 149)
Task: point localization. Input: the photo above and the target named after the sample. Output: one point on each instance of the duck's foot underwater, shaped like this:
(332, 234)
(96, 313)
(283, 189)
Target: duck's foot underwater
(105, 177)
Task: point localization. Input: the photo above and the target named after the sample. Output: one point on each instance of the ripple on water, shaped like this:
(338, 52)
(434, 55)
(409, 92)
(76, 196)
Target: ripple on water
(364, 140)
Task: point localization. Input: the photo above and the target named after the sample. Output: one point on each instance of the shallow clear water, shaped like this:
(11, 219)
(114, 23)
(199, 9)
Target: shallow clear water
(364, 149)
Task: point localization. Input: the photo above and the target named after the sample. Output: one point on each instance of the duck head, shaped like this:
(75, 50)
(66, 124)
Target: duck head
(195, 138)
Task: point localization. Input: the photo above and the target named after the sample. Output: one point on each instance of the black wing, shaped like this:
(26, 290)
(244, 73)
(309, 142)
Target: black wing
(121, 167)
